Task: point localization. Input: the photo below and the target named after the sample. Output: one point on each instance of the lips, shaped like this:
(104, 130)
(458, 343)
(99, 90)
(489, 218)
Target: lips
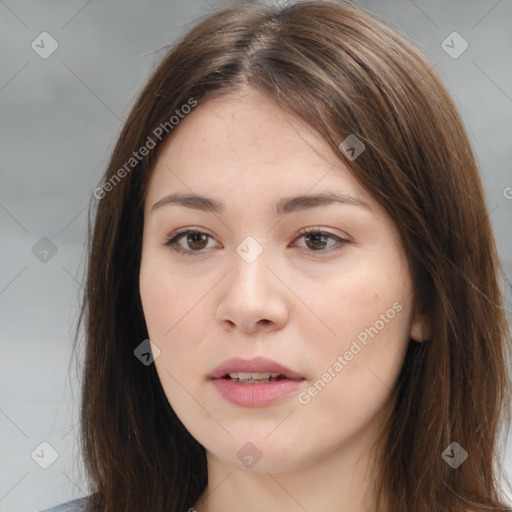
(259, 382)
(258, 365)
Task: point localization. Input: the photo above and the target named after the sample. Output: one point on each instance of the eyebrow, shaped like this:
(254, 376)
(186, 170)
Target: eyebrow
(283, 206)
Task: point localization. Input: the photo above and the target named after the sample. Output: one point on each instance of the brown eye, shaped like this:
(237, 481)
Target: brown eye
(197, 240)
(321, 242)
(317, 241)
(188, 241)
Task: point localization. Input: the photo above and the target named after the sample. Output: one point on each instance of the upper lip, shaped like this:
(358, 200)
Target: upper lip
(255, 365)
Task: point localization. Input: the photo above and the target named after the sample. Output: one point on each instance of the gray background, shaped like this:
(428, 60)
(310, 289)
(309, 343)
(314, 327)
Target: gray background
(60, 119)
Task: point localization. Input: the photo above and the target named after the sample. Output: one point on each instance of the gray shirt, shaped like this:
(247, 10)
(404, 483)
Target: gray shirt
(77, 505)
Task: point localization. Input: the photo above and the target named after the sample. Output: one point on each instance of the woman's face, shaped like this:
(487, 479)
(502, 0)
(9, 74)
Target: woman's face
(333, 305)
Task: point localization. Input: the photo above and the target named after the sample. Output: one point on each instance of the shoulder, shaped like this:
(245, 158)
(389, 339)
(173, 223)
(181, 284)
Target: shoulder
(77, 505)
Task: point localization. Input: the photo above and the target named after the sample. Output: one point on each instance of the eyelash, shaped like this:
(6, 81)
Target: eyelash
(172, 241)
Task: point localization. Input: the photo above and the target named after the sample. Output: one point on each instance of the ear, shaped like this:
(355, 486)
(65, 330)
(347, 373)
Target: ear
(420, 326)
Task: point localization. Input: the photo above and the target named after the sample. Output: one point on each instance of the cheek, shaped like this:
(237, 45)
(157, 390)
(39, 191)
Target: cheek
(170, 300)
(366, 315)
(172, 310)
(178, 311)
(357, 296)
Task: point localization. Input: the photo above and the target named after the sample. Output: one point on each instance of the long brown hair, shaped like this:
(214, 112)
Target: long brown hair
(343, 72)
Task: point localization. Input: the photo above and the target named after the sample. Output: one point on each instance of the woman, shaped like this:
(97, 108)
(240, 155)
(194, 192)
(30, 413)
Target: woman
(292, 300)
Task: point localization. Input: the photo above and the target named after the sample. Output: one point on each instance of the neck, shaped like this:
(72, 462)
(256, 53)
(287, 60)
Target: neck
(342, 481)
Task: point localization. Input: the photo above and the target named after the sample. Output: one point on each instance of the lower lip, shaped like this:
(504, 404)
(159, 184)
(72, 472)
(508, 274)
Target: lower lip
(255, 395)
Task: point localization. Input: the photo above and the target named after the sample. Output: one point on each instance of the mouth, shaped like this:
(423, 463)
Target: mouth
(258, 369)
(253, 378)
(254, 383)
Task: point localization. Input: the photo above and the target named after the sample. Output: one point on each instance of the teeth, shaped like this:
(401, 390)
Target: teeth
(253, 376)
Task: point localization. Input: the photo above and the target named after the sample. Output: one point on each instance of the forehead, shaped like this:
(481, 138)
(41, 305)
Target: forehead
(243, 144)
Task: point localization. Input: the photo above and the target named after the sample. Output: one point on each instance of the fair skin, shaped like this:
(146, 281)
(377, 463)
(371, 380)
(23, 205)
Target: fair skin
(302, 302)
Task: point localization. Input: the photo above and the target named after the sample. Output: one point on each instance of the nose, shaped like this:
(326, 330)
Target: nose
(253, 298)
